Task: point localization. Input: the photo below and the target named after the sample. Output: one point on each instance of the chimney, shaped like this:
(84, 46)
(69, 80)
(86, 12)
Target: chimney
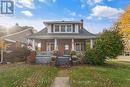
(81, 24)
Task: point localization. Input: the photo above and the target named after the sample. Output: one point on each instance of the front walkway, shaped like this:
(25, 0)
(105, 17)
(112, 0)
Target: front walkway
(62, 79)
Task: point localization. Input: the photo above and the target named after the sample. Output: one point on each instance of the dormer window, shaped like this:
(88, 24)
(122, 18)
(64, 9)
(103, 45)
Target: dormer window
(69, 28)
(56, 28)
(62, 28)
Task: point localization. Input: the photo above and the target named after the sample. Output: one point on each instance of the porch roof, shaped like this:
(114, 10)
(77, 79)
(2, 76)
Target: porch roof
(43, 34)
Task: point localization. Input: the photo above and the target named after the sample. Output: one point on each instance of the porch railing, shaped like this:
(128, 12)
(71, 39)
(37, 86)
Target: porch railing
(44, 57)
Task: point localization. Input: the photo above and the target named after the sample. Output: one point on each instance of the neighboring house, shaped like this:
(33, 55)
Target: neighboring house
(63, 36)
(15, 40)
(2, 31)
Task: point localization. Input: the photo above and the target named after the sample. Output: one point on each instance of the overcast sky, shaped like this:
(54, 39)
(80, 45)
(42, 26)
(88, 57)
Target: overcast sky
(97, 14)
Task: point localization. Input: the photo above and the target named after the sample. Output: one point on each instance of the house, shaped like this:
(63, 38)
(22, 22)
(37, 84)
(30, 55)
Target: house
(63, 36)
(16, 38)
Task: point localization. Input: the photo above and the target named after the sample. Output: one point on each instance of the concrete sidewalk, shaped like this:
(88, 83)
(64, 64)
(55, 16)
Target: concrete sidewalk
(123, 58)
(61, 82)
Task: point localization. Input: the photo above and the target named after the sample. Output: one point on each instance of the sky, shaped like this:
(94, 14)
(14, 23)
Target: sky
(97, 14)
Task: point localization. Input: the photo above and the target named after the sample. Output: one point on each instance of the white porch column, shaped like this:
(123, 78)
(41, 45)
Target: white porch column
(33, 45)
(72, 44)
(91, 43)
(55, 44)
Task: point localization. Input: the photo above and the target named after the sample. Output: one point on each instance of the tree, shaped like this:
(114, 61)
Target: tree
(108, 45)
(123, 26)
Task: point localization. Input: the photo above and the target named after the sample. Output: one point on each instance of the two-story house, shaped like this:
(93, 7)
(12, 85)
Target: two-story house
(64, 36)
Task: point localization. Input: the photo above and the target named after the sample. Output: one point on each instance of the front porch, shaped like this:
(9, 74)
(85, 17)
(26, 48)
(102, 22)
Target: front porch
(63, 46)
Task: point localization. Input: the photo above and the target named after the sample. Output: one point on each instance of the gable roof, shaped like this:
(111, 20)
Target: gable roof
(18, 36)
(43, 34)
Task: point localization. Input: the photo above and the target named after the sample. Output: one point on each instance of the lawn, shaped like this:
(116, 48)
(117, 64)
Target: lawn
(27, 75)
(114, 74)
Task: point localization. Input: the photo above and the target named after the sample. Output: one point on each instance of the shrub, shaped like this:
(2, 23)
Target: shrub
(107, 46)
(73, 53)
(110, 43)
(21, 53)
(93, 56)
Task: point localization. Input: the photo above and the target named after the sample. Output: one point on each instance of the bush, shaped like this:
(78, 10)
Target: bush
(93, 56)
(109, 45)
(21, 53)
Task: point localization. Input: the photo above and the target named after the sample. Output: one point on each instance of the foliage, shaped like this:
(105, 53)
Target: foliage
(108, 45)
(80, 55)
(20, 75)
(114, 74)
(88, 45)
(73, 53)
(94, 56)
(123, 26)
(21, 52)
(55, 52)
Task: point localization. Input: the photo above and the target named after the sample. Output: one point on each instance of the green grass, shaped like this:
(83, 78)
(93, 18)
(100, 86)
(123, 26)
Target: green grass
(27, 76)
(111, 75)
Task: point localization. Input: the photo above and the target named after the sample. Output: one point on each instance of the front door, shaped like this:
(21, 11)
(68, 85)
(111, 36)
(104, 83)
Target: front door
(64, 47)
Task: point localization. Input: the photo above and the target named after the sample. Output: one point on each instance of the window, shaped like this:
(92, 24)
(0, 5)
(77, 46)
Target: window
(78, 46)
(62, 28)
(68, 28)
(56, 28)
(66, 47)
(50, 46)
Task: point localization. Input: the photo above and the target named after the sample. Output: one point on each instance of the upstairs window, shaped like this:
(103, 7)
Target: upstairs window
(56, 28)
(69, 28)
(62, 28)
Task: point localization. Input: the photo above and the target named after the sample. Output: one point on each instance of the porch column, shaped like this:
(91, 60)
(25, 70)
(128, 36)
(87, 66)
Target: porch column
(72, 44)
(33, 45)
(55, 44)
(91, 43)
